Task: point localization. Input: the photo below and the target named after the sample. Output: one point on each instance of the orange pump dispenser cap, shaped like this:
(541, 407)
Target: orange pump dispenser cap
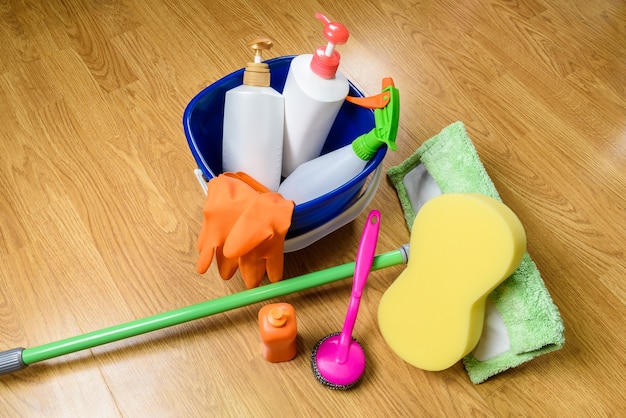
(277, 316)
(325, 60)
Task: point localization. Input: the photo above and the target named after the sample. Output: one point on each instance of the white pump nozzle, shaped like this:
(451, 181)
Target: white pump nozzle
(258, 45)
(330, 48)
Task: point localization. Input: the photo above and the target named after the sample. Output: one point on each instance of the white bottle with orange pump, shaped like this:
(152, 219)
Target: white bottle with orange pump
(253, 123)
(314, 91)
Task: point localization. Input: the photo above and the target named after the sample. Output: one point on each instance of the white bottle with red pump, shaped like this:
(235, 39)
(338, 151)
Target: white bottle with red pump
(334, 169)
(253, 123)
(314, 92)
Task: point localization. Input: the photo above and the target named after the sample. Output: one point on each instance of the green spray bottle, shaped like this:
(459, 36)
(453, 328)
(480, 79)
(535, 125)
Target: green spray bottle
(330, 171)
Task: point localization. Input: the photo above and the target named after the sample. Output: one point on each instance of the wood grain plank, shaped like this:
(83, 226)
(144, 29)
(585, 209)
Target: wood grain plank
(83, 33)
(46, 307)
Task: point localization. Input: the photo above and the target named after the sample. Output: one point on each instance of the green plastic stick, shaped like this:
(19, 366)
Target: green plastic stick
(18, 358)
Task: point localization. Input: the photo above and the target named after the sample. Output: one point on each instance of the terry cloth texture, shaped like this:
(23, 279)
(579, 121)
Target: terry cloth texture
(532, 321)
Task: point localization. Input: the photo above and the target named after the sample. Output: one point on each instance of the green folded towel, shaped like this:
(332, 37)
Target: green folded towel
(521, 319)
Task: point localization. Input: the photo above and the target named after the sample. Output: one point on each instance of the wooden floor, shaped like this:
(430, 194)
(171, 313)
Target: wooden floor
(99, 208)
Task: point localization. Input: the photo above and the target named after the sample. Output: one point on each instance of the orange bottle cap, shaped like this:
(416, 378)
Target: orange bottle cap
(277, 316)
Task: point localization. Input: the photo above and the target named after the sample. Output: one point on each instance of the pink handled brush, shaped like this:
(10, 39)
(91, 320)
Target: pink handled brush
(338, 360)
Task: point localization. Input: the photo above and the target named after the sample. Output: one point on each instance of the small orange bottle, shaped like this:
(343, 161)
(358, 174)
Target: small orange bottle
(277, 324)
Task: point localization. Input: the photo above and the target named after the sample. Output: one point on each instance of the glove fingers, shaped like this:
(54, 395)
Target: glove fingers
(226, 198)
(226, 266)
(275, 265)
(252, 270)
(244, 227)
(276, 249)
(205, 259)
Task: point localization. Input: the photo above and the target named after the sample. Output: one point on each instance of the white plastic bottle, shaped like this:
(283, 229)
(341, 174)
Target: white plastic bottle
(325, 173)
(314, 92)
(253, 123)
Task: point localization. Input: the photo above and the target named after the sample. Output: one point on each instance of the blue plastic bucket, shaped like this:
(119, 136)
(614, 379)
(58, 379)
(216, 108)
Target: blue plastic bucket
(203, 120)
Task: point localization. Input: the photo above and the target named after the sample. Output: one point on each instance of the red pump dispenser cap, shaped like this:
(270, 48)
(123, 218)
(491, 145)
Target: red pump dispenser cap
(326, 60)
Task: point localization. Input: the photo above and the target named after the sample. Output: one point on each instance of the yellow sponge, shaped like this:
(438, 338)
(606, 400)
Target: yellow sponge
(462, 246)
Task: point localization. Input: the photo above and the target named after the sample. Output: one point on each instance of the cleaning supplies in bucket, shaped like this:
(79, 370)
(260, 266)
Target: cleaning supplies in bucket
(253, 123)
(204, 121)
(202, 124)
(325, 173)
(314, 92)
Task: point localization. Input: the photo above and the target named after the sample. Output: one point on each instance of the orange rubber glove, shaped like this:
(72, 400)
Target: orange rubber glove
(258, 238)
(227, 198)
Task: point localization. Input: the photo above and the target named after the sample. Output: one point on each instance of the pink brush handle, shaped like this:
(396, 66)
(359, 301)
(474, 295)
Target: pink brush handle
(362, 267)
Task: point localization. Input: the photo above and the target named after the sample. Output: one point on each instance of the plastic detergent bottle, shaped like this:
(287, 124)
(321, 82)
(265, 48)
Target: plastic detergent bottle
(278, 328)
(253, 123)
(314, 92)
(330, 171)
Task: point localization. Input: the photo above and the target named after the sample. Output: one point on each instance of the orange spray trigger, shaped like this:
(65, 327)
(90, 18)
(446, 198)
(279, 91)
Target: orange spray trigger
(378, 101)
(388, 82)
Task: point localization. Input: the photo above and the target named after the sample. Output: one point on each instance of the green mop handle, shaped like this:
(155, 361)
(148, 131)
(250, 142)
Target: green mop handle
(19, 358)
